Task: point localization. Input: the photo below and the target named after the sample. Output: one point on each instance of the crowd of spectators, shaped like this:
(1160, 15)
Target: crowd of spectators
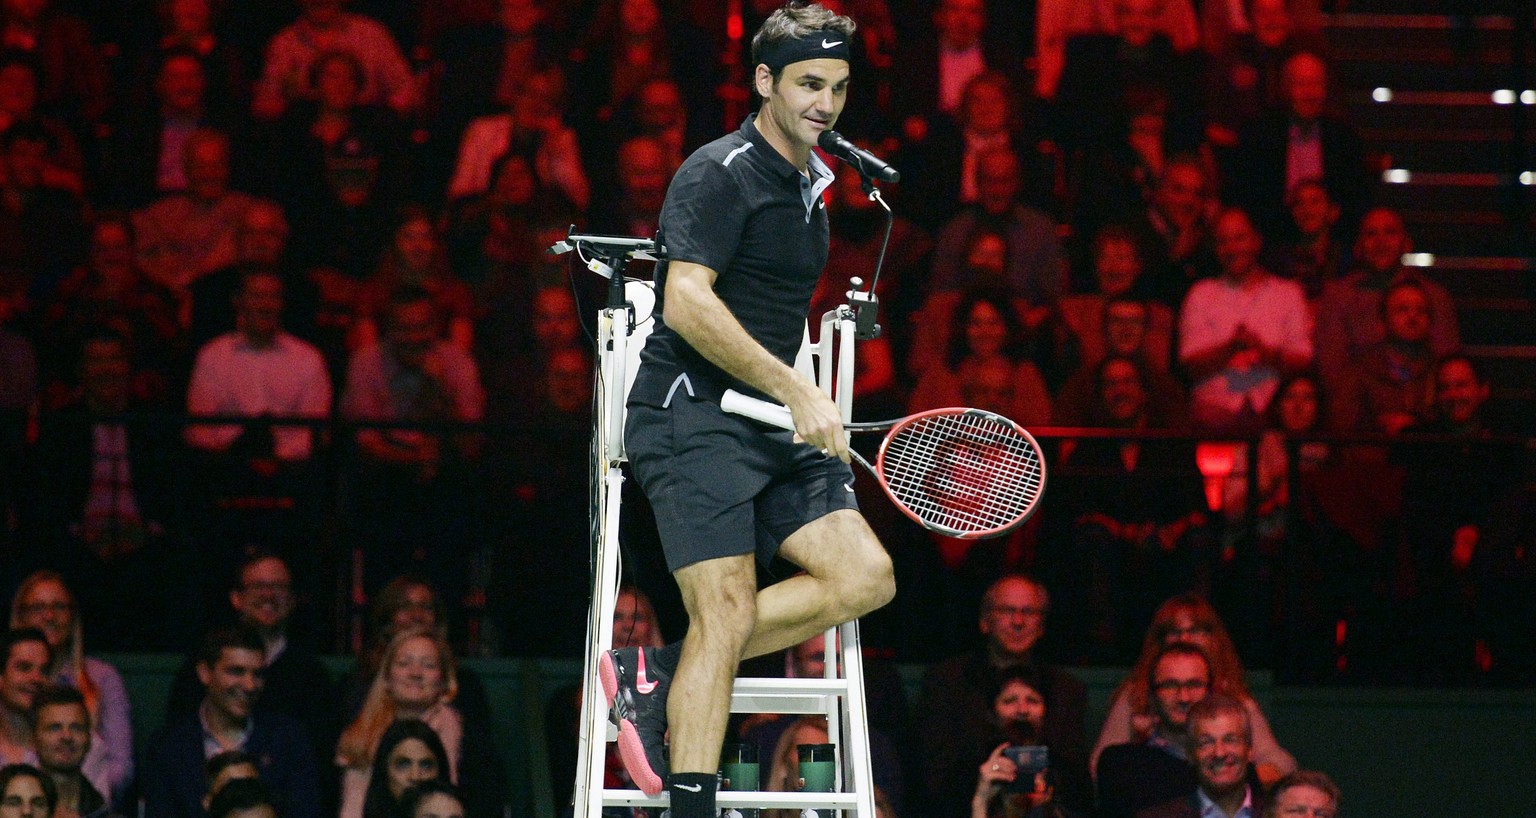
(1123, 215)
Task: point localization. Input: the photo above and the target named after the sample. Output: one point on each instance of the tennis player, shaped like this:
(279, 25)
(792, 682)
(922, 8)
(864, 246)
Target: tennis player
(746, 236)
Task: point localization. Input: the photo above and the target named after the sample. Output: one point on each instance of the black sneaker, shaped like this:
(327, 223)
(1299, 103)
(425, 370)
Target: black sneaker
(637, 700)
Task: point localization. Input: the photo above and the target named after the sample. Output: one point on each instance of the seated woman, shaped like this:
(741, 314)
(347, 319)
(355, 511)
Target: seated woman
(410, 753)
(1189, 618)
(25, 786)
(416, 679)
(44, 602)
(416, 256)
(1018, 710)
(985, 360)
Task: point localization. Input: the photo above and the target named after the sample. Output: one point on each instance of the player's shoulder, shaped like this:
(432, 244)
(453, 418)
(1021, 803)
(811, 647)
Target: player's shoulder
(731, 154)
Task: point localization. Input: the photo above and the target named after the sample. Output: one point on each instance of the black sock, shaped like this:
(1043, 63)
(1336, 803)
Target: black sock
(693, 795)
(667, 657)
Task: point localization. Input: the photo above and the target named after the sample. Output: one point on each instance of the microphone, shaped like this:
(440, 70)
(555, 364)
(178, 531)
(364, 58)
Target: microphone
(868, 164)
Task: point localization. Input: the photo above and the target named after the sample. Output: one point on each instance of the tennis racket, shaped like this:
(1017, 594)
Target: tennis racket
(964, 473)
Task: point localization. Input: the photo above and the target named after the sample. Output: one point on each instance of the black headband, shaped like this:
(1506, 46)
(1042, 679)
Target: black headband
(816, 45)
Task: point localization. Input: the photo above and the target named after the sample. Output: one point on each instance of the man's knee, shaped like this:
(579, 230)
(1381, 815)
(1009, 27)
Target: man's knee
(720, 596)
(873, 580)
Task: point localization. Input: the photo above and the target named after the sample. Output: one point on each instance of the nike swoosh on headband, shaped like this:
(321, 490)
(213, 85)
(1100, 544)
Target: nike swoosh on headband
(825, 44)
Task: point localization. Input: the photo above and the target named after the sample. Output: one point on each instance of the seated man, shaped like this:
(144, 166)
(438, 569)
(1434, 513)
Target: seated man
(61, 731)
(1138, 775)
(24, 662)
(1387, 389)
(230, 668)
(1125, 332)
(1304, 794)
(246, 798)
(1227, 786)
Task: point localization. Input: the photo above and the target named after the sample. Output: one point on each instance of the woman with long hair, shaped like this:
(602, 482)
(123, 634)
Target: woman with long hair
(43, 601)
(986, 363)
(410, 753)
(1187, 618)
(1018, 710)
(26, 792)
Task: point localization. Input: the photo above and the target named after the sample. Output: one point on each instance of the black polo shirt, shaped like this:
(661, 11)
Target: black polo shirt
(741, 209)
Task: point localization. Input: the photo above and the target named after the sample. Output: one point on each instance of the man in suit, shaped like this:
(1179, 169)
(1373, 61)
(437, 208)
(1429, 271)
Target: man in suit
(1276, 153)
(1220, 741)
(231, 670)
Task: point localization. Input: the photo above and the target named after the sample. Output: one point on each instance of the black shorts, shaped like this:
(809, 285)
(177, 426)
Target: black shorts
(722, 485)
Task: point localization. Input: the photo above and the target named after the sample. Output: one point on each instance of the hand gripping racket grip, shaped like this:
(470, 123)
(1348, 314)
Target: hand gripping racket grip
(760, 410)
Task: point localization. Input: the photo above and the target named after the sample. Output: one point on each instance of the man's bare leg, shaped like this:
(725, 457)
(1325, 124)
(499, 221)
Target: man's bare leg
(848, 575)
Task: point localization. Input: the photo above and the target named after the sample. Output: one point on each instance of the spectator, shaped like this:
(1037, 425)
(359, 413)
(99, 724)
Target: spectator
(18, 400)
(44, 602)
(430, 799)
(1059, 20)
(416, 680)
(110, 291)
(61, 729)
(1244, 82)
(222, 768)
(1118, 269)
(1220, 742)
(24, 673)
(19, 80)
(187, 27)
(1314, 257)
(147, 151)
(28, 791)
(230, 669)
(288, 74)
(42, 228)
(955, 711)
(247, 798)
(985, 331)
(533, 126)
(261, 242)
(1118, 178)
(1155, 767)
(1125, 334)
(256, 371)
(644, 169)
(342, 167)
(1019, 709)
(294, 682)
(1306, 793)
(1137, 711)
(1099, 71)
(1137, 517)
(1387, 389)
(658, 110)
(627, 43)
(105, 504)
(1241, 332)
(410, 753)
(784, 766)
(76, 86)
(1175, 230)
(1277, 152)
(931, 78)
(1349, 310)
(185, 236)
(484, 64)
(416, 258)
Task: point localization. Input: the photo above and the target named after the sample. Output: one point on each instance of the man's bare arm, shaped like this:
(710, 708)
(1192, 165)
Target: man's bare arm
(695, 312)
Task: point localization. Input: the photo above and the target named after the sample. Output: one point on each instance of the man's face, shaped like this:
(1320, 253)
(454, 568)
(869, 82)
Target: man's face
(63, 736)
(985, 108)
(416, 242)
(1237, 244)
(997, 181)
(112, 252)
(660, 105)
(1458, 392)
(1312, 210)
(1305, 83)
(1125, 327)
(49, 608)
(265, 596)
(643, 175)
(418, 610)
(806, 100)
(1221, 752)
(810, 658)
(1178, 682)
(631, 622)
(262, 236)
(1304, 802)
(234, 682)
(181, 84)
(1383, 241)
(25, 673)
(1138, 20)
(207, 166)
(1116, 267)
(568, 380)
(639, 16)
(412, 329)
(1124, 395)
(260, 305)
(960, 22)
(1271, 22)
(190, 16)
(1181, 195)
(1407, 315)
(555, 325)
(1013, 619)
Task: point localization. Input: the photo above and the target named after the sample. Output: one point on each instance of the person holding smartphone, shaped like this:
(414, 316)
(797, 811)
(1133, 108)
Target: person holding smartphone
(1016, 779)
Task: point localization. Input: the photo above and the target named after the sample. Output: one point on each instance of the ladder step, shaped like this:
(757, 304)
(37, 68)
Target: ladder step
(794, 696)
(726, 798)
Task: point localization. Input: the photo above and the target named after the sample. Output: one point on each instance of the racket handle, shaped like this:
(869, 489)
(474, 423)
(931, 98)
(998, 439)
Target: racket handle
(760, 410)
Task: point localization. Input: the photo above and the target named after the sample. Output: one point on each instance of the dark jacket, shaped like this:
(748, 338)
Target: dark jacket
(173, 779)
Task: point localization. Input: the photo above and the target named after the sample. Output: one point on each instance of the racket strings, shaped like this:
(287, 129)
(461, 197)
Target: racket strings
(968, 472)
